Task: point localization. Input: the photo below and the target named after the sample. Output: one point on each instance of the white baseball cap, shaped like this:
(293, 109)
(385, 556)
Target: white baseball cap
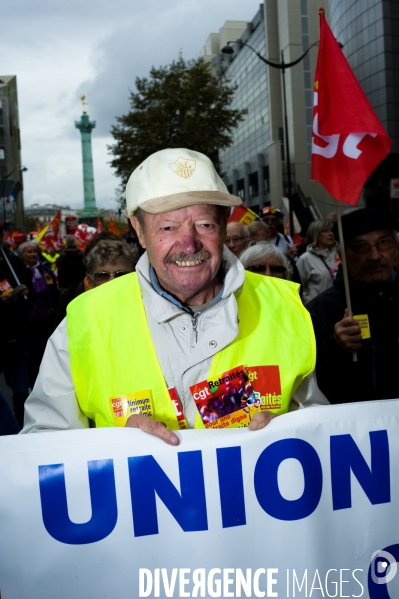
(176, 178)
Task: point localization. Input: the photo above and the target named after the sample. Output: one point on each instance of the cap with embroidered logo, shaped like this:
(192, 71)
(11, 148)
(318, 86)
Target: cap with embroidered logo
(176, 178)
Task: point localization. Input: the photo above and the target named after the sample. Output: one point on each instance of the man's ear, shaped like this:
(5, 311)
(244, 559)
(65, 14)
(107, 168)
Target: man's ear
(139, 232)
(87, 283)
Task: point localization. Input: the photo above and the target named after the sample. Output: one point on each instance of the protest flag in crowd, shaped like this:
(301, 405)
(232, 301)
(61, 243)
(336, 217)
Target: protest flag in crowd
(348, 140)
(112, 228)
(48, 236)
(38, 227)
(242, 214)
(99, 225)
(83, 234)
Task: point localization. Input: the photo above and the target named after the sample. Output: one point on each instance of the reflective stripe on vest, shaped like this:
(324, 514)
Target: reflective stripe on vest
(112, 353)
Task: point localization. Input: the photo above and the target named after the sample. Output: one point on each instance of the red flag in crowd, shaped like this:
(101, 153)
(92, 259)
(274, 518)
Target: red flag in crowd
(348, 139)
(112, 228)
(242, 214)
(99, 225)
(48, 236)
(83, 234)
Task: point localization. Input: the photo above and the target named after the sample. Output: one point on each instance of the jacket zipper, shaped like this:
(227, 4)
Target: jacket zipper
(194, 331)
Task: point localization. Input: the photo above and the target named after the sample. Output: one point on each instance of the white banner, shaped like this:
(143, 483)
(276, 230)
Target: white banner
(299, 509)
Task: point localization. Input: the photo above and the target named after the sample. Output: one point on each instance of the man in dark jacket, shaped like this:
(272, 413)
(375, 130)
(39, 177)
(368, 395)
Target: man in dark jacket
(371, 242)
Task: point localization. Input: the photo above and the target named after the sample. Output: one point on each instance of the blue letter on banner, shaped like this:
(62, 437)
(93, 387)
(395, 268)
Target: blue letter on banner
(231, 486)
(346, 457)
(148, 478)
(55, 507)
(266, 481)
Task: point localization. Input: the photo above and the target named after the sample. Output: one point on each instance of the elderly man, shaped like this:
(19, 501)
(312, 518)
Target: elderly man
(258, 231)
(190, 312)
(371, 249)
(237, 237)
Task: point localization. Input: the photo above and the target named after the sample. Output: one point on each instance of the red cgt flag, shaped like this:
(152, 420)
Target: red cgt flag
(348, 140)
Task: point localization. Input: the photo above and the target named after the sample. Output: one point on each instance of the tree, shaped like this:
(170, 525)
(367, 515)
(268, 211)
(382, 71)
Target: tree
(178, 106)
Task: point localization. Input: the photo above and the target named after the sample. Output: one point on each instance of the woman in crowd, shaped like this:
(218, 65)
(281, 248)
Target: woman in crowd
(41, 314)
(266, 259)
(112, 246)
(318, 265)
(108, 260)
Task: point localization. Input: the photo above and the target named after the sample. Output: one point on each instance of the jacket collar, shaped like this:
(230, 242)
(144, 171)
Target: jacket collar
(162, 309)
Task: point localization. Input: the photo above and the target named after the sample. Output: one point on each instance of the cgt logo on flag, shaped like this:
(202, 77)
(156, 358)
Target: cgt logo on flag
(348, 139)
(330, 146)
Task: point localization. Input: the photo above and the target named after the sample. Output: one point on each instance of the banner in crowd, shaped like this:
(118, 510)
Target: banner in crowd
(307, 507)
(48, 236)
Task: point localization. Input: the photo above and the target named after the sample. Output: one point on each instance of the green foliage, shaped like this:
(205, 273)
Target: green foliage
(178, 106)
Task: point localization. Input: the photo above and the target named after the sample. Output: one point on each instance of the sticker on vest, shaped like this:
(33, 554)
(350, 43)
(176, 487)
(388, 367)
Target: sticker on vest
(181, 419)
(364, 325)
(123, 406)
(227, 400)
(266, 381)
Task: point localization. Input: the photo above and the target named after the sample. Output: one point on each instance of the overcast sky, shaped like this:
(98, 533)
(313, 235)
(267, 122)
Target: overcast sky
(61, 49)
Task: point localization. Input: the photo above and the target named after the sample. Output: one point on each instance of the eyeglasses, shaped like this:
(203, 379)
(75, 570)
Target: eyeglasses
(260, 269)
(234, 239)
(104, 276)
(382, 245)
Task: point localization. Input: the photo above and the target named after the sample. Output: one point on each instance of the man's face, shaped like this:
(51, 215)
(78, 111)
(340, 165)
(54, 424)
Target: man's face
(272, 222)
(185, 247)
(371, 257)
(234, 238)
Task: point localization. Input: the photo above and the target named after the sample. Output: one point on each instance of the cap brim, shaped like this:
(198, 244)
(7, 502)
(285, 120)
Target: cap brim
(190, 198)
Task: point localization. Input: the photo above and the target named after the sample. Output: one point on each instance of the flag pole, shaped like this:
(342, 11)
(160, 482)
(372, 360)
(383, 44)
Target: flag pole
(18, 282)
(344, 267)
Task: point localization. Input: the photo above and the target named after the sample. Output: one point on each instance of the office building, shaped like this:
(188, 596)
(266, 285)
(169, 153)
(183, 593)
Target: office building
(12, 213)
(369, 30)
(255, 165)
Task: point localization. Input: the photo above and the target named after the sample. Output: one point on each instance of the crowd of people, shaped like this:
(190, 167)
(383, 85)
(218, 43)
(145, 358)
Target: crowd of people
(196, 294)
(36, 290)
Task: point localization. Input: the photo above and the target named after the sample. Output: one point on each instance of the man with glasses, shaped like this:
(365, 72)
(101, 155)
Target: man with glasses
(134, 351)
(237, 237)
(371, 243)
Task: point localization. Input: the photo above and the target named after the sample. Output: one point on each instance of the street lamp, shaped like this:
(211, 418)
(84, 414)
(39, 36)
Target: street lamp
(282, 66)
(3, 187)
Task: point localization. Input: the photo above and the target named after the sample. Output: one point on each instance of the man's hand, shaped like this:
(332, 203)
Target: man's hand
(153, 427)
(17, 292)
(21, 290)
(260, 420)
(347, 334)
(291, 251)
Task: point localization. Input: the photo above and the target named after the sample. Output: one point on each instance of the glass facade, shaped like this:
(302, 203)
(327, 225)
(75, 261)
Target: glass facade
(243, 163)
(369, 30)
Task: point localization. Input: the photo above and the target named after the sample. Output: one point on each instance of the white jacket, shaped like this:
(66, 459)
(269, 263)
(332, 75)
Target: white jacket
(185, 358)
(313, 267)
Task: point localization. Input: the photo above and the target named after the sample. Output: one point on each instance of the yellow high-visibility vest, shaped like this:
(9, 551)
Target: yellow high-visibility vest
(112, 353)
